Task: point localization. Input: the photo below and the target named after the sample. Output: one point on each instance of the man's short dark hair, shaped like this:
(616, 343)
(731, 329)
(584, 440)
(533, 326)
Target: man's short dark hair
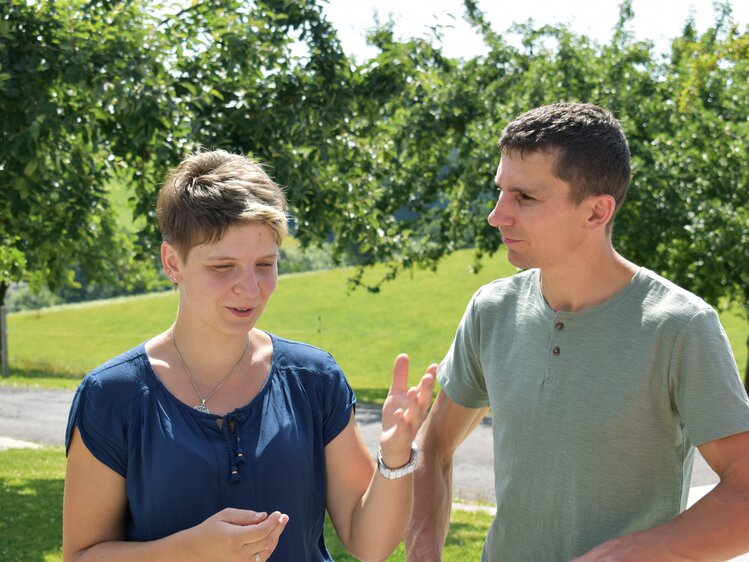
(593, 155)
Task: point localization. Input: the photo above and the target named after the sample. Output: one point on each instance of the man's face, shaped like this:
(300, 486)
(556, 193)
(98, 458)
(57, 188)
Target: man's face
(535, 214)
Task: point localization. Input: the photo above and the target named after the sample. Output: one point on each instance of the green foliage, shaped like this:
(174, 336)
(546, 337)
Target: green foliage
(58, 104)
(292, 259)
(23, 298)
(391, 159)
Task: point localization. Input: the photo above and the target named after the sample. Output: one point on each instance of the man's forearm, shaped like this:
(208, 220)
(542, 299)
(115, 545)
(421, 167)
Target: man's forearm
(425, 536)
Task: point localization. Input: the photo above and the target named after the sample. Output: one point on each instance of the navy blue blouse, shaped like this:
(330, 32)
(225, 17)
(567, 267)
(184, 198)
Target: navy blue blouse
(181, 466)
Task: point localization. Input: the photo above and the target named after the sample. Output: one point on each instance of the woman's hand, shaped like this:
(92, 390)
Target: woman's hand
(237, 534)
(403, 412)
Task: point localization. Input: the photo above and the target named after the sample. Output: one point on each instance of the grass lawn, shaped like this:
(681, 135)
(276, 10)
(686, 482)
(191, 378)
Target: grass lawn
(416, 314)
(31, 487)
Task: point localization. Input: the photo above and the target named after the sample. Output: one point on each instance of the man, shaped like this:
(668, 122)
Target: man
(601, 376)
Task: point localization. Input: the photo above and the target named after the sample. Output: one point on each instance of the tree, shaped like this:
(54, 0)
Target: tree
(64, 71)
(89, 87)
(421, 163)
(392, 159)
(698, 177)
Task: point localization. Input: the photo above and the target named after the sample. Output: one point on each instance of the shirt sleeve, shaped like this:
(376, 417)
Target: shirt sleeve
(99, 424)
(461, 373)
(338, 401)
(708, 392)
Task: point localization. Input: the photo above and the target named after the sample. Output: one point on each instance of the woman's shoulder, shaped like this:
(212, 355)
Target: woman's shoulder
(299, 353)
(313, 372)
(296, 355)
(122, 375)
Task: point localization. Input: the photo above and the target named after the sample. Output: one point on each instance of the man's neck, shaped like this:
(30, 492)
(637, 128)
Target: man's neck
(579, 285)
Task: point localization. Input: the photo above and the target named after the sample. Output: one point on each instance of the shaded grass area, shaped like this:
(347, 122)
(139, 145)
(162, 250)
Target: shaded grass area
(31, 488)
(49, 377)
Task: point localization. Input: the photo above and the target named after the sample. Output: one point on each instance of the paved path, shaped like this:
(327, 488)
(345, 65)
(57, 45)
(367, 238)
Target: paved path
(38, 417)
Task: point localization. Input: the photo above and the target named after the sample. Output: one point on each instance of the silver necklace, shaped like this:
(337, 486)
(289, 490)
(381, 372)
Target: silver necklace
(202, 407)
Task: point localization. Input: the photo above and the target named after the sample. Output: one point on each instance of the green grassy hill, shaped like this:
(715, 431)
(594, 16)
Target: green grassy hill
(416, 314)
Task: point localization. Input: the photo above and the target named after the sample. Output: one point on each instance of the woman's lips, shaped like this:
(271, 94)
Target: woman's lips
(241, 312)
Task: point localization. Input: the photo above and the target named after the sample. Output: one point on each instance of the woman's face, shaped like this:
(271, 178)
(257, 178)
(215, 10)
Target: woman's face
(225, 285)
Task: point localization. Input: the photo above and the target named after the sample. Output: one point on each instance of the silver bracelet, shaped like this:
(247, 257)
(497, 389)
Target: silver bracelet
(395, 473)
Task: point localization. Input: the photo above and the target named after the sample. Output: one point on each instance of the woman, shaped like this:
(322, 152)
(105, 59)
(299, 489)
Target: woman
(216, 441)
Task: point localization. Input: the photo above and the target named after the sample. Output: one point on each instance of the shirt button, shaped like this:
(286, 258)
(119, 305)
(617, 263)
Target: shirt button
(555, 350)
(559, 326)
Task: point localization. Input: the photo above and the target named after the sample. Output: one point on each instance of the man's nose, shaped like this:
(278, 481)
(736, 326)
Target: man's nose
(500, 215)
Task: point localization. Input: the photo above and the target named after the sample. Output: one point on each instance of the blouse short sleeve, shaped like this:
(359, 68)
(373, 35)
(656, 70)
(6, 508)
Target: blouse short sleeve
(101, 408)
(338, 400)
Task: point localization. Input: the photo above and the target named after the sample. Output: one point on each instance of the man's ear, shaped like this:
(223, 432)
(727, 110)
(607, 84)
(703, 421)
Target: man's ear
(171, 262)
(602, 209)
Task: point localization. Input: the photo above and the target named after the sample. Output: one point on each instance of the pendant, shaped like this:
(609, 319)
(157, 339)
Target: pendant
(202, 408)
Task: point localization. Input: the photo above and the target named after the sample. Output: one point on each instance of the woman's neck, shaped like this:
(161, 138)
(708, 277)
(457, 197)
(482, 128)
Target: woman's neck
(210, 356)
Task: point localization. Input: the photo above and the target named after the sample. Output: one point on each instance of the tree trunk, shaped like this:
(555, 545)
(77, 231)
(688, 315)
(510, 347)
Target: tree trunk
(746, 368)
(3, 336)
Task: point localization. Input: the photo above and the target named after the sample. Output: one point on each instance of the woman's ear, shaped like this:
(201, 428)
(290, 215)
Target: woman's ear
(171, 262)
(601, 211)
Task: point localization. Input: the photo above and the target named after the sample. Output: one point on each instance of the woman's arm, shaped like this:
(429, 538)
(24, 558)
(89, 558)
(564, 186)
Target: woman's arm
(94, 509)
(370, 512)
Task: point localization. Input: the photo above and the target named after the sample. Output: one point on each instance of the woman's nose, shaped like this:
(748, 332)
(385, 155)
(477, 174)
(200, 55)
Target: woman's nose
(247, 284)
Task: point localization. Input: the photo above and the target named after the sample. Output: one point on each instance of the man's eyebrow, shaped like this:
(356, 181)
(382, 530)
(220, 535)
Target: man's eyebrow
(231, 258)
(513, 188)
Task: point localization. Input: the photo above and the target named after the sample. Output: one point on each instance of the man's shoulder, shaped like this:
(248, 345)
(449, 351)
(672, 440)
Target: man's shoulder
(664, 297)
(522, 285)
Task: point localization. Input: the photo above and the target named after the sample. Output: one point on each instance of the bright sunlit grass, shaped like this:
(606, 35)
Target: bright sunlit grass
(416, 314)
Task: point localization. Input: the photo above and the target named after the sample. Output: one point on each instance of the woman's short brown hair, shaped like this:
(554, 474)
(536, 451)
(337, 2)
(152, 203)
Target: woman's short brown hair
(212, 191)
